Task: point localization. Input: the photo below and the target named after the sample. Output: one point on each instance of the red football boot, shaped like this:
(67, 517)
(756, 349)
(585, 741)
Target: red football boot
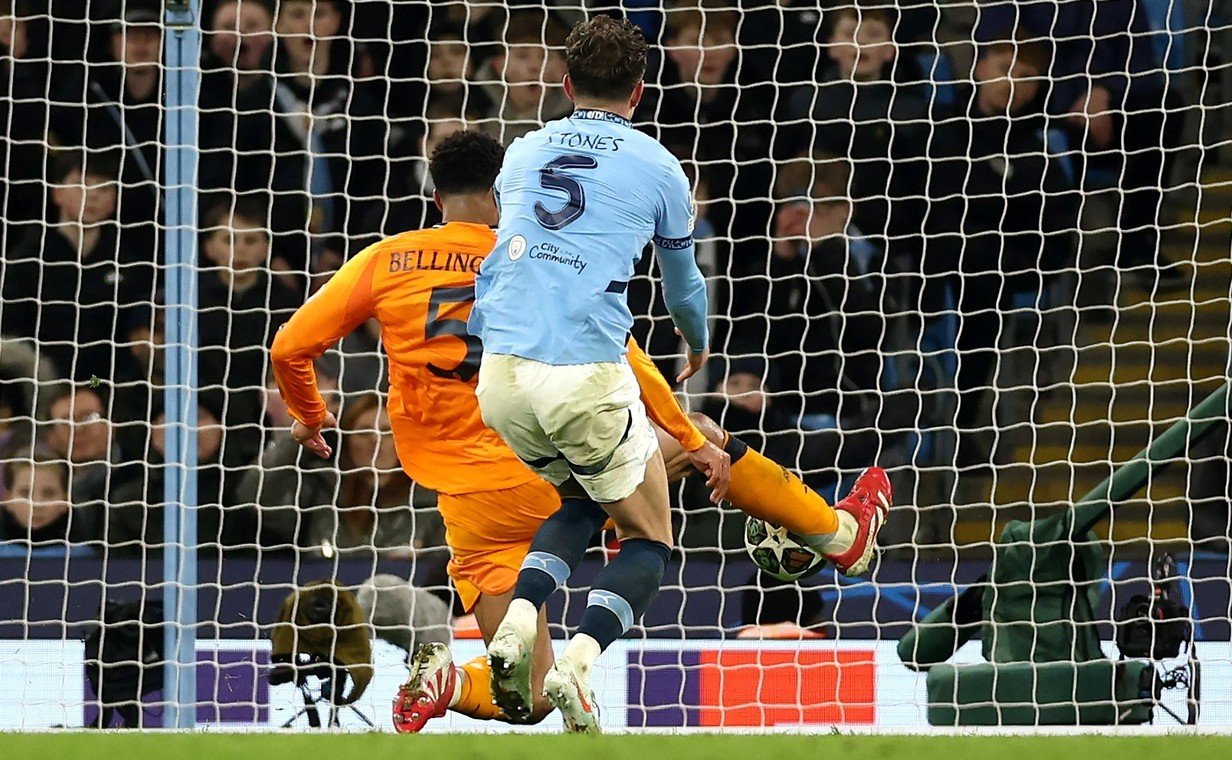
(869, 502)
(427, 693)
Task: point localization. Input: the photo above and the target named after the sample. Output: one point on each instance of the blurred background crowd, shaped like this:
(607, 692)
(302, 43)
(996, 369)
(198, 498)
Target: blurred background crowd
(889, 202)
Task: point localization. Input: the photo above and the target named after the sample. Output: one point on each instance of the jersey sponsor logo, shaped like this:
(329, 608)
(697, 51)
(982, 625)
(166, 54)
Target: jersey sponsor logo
(517, 247)
(553, 253)
(434, 261)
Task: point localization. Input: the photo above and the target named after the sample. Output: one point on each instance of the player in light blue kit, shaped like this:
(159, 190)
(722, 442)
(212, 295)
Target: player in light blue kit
(579, 200)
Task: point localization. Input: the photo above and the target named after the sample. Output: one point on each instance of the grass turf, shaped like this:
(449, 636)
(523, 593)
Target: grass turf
(119, 746)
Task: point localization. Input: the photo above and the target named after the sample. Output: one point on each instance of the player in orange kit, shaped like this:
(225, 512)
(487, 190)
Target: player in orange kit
(420, 286)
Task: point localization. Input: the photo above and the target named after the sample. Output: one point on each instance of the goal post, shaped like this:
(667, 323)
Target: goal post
(183, 81)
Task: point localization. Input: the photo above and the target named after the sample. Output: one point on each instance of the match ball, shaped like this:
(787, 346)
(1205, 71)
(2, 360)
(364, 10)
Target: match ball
(779, 552)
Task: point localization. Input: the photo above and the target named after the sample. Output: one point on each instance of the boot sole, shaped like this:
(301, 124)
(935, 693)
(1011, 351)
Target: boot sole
(511, 683)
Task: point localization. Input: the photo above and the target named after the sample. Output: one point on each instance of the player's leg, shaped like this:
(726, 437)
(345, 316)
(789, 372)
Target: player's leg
(555, 551)
(489, 535)
(760, 487)
(619, 596)
(632, 488)
(595, 420)
(436, 684)
(489, 612)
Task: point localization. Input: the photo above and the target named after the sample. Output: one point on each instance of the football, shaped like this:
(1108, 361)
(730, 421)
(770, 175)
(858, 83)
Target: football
(779, 552)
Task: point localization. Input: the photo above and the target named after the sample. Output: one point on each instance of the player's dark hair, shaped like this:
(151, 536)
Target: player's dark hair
(606, 58)
(465, 162)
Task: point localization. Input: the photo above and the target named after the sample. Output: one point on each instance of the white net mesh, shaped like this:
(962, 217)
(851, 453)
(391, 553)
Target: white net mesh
(983, 244)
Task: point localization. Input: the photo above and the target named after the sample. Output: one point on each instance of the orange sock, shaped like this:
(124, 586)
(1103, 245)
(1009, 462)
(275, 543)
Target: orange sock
(475, 699)
(762, 488)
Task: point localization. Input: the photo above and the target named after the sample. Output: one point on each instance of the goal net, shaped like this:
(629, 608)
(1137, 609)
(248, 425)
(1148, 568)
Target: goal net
(984, 245)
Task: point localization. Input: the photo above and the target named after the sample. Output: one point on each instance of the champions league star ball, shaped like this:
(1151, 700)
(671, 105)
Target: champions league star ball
(778, 552)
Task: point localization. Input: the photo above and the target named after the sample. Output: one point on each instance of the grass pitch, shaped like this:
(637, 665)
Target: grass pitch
(121, 746)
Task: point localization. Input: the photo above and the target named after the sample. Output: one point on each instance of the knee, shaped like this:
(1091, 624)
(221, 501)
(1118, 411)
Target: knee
(709, 428)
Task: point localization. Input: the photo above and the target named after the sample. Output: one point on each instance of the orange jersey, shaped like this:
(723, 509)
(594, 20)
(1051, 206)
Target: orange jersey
(421, 286)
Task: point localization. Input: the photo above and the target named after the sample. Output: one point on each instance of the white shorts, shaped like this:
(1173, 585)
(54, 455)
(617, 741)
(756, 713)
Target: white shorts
(584, 421)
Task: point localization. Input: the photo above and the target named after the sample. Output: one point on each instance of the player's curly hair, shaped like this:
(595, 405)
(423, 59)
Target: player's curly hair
(465, 162)
(606, 58)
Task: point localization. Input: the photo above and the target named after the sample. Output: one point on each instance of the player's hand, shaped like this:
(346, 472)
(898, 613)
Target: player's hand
(311, 438)
(715, 464)
(696, 362)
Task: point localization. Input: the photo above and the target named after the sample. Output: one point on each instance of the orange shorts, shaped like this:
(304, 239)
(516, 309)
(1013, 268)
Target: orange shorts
(489, 534)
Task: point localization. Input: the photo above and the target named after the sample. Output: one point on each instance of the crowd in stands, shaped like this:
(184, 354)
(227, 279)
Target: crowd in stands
(863, 212)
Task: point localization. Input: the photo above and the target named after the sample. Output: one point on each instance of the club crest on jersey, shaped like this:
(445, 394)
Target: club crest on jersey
(517, 247)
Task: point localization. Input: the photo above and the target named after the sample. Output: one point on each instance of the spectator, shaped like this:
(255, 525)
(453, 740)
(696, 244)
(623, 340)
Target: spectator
(374, 492)
(314, 142)
(21, 376)
(829, 303)
(516, 82)
(291, 489)
(80, 434)
(882, 127)
(476, 18)
(697, 103)
(365, 504)
(411, 206)
(36, 510)
(15, 422)
(745, 407)
(133, 523)
(124, 115)
(240, 308)
(27, 118)
(75, 287)
(240, 41)
(1004, 227)
(235, 75)
(784, 40)
(451, 70)
(137, 397)
(1107, 85)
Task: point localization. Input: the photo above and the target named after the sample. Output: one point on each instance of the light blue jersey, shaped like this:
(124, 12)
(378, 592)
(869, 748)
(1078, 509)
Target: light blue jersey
(579, 200)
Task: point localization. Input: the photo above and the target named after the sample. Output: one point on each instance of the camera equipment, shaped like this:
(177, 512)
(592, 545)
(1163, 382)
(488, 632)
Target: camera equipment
(321, 634)
(124, 656)
(1157, 627)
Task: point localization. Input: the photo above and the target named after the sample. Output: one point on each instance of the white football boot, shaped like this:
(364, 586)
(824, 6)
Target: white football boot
(509, 657)
(567, 687)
